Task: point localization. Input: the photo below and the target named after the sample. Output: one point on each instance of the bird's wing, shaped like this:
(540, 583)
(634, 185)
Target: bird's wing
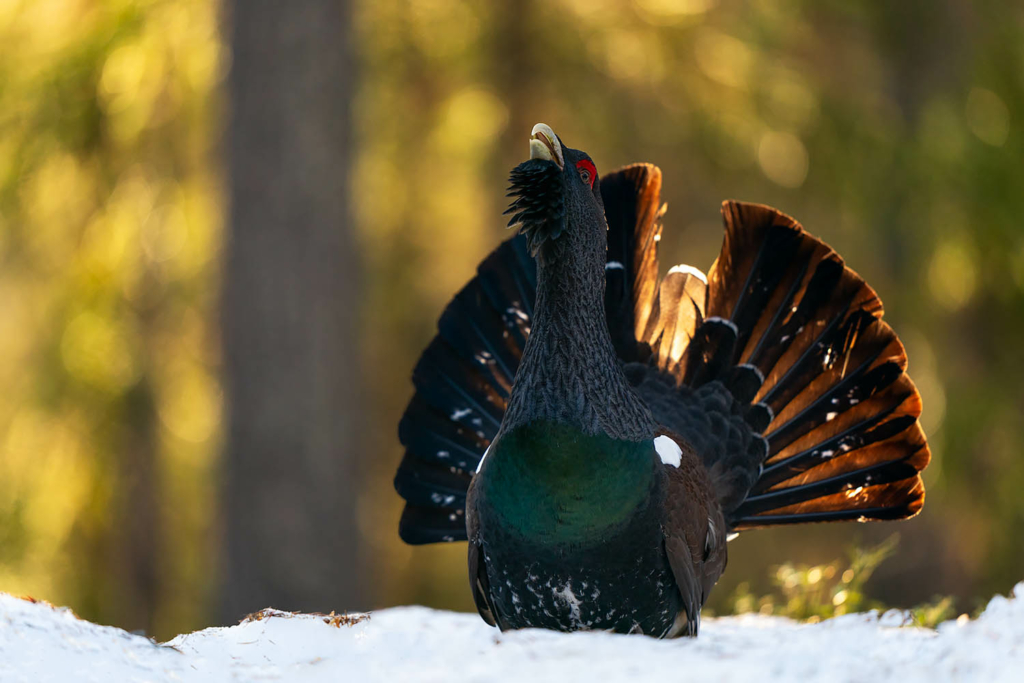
(683, 505)
(693, 528)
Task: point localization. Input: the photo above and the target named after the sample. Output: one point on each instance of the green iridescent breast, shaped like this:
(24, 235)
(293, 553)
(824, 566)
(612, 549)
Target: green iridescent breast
(550, 483)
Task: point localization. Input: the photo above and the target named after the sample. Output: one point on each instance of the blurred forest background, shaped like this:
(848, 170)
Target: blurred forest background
(227, 231)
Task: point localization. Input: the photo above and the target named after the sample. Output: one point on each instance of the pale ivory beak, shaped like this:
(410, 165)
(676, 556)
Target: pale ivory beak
(544, 144)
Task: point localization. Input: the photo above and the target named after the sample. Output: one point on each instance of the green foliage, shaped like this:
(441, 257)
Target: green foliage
(817, 592)
(933, 613)
(813, 593)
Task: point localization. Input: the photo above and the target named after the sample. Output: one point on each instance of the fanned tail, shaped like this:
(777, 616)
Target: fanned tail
(462, 385)
(798, 336)
(777, 367)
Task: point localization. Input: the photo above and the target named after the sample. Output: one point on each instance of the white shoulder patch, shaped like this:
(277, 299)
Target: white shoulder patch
(668, 450)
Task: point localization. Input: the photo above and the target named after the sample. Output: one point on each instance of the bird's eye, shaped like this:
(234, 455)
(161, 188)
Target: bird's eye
(587, 171)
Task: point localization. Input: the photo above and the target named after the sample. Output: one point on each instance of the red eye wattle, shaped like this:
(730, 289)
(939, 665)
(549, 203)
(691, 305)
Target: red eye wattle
(587, 171)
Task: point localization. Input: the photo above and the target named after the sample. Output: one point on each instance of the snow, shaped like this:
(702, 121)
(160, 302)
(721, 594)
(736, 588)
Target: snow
(40, 643)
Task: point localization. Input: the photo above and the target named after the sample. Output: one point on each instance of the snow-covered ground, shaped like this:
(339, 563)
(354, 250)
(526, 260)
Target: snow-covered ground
(40, 643)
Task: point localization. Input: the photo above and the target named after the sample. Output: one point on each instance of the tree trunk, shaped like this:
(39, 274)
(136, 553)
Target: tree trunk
(290, 314)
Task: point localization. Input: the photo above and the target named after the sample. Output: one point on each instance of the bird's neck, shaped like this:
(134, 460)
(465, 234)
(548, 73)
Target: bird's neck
(569, 372)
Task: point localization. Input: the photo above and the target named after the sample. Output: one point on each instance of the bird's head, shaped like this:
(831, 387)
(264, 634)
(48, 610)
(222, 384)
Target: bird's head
(557, 193)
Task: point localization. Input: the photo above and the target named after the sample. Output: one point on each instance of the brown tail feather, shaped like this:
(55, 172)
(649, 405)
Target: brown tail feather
(835, 404)
(844, 441)
(678, 312)
(632, 201)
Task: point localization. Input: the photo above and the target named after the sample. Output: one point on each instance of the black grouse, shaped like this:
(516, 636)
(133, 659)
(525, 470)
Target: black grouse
(597, 435)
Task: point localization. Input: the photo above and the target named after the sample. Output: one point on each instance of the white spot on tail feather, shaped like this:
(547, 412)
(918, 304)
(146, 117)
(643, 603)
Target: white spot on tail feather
(729, 323)
(688, 270)
(668, 450)
(517, 312)
(614, 265)
(757, 370)
(442, 499)
(460, 413)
